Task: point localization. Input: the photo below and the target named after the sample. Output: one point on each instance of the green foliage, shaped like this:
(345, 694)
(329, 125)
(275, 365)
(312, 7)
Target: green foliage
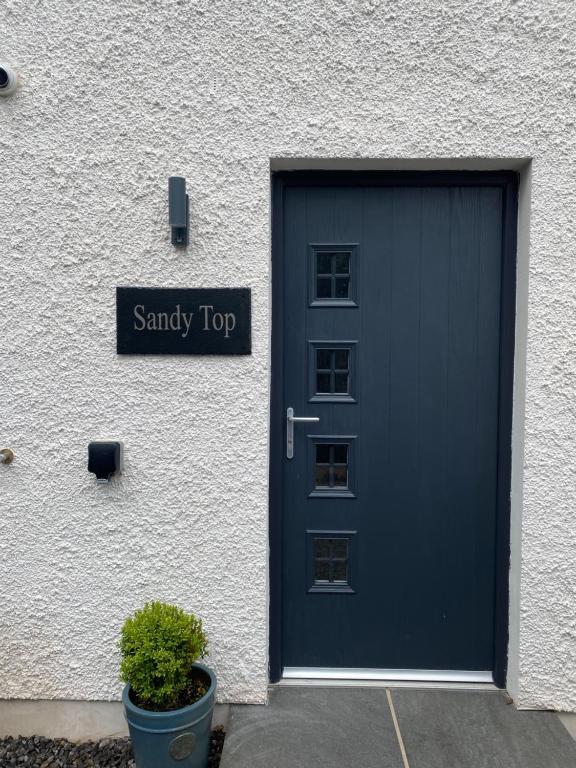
(159, 644)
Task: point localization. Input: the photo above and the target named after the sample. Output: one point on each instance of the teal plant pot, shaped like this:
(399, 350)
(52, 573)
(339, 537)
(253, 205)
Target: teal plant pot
(176, 739)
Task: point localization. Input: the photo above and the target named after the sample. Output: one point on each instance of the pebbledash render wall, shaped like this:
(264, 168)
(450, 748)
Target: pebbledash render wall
(114, 98)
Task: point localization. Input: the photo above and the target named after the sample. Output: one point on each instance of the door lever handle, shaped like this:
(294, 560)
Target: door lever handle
(290, 420)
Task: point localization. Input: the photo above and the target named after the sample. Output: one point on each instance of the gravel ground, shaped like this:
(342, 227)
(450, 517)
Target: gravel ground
(39, 752)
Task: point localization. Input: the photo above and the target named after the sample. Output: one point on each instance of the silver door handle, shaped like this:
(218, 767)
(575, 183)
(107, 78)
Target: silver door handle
(290, 419)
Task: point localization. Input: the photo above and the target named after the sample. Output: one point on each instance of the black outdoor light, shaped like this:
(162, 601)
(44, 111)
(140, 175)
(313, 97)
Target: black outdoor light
(104, 459)
(8, 80)
(178, 209)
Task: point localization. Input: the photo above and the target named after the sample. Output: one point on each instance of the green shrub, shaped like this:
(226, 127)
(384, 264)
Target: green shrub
(159, 644)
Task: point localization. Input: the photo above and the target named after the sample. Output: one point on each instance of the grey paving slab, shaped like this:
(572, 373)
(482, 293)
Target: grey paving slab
(313, 727)
(456, 729)
(568, 720)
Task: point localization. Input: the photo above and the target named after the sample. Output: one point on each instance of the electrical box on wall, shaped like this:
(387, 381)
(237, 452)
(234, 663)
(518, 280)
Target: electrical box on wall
(178, 209)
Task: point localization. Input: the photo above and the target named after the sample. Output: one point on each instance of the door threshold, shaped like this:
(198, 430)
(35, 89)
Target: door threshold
(388, 678)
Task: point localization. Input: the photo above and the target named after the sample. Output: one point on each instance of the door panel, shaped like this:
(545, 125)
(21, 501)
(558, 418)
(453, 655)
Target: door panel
(389, 504)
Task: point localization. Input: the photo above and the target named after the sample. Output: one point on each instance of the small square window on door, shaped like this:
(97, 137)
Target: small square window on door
(332, 366)
(333, 275)
(330, 561)
(331, 466)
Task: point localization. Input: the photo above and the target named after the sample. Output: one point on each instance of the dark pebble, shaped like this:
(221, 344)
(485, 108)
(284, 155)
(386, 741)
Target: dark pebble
(40, 752)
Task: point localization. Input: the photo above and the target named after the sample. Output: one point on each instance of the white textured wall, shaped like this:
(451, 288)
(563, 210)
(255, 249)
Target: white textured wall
(116, 97)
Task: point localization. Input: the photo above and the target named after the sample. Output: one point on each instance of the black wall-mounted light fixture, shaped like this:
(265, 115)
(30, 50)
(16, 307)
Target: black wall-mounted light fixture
(104, 459)
(178, 209)
(8, 80)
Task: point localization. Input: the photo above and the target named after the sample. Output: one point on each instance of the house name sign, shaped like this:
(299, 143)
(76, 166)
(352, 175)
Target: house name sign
(183, 321)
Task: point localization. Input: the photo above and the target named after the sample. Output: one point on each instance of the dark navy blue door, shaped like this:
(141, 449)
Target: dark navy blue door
(391, 340)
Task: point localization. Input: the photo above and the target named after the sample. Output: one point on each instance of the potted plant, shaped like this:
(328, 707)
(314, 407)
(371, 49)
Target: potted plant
(169, 696)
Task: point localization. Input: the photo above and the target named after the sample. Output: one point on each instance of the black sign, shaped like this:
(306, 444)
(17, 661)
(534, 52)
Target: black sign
(183, 321)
